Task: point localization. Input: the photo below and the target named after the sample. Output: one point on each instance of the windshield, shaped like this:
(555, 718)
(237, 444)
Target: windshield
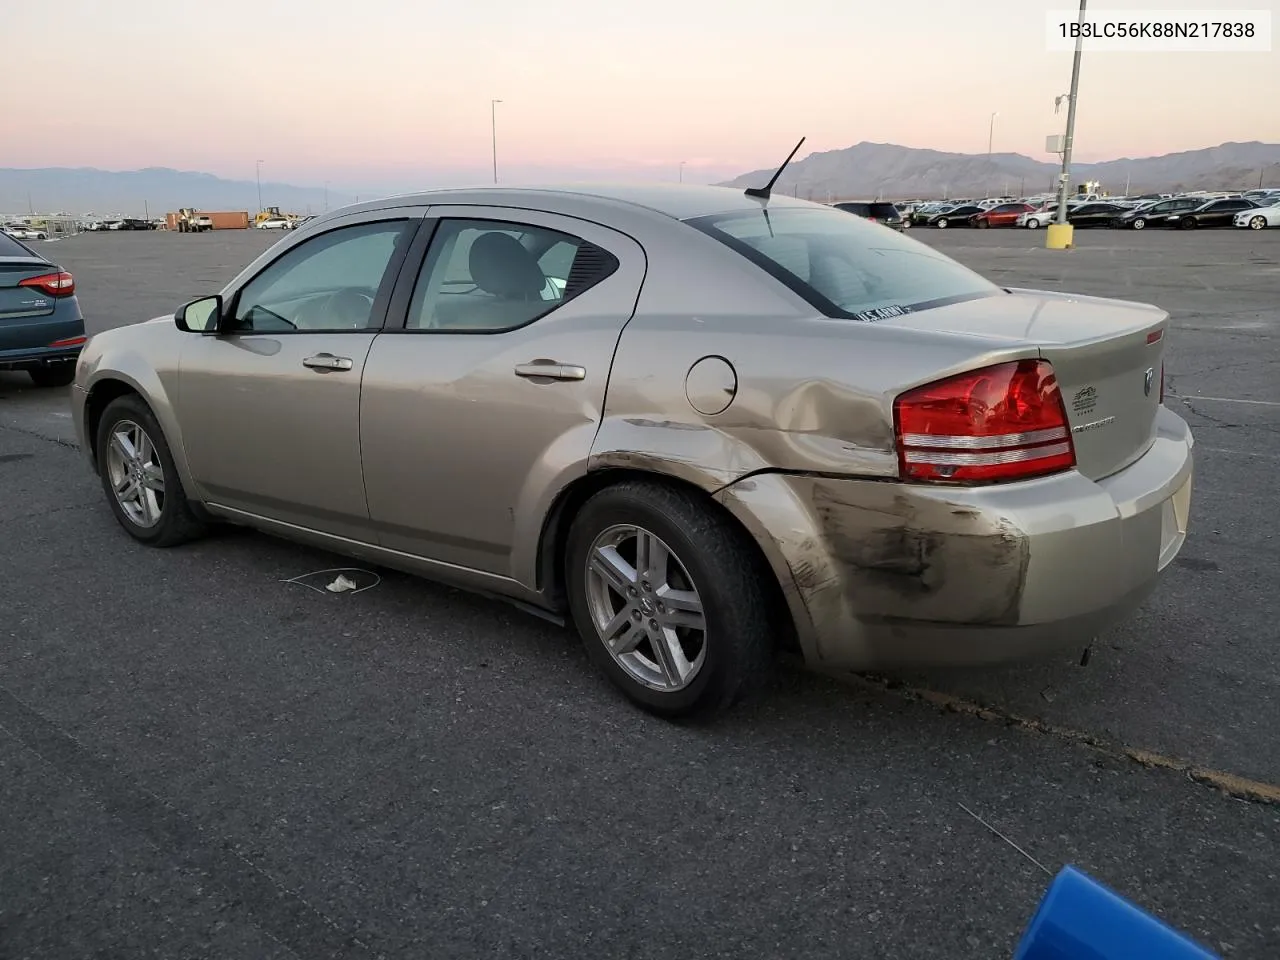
(843, 265)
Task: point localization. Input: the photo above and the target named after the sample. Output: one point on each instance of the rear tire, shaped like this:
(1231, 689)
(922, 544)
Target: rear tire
(139, 476)
(690, 631)
(55, 375)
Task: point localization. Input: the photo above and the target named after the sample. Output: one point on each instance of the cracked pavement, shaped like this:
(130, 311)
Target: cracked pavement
(199, 760)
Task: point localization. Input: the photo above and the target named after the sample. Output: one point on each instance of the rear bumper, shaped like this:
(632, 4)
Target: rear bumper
(28, 342)
(38, 357)
(883, 575)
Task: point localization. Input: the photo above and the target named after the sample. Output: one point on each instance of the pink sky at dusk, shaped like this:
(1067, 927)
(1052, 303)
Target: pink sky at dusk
(388, 91)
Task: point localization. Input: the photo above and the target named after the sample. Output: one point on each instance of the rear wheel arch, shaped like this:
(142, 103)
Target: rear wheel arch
(553, 546)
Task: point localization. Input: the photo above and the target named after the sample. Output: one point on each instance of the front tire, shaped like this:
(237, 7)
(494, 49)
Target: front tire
(1033, 224)
(1139, 223)
(942, 224)
(670, 599)
(1258, 223)
(139, 477)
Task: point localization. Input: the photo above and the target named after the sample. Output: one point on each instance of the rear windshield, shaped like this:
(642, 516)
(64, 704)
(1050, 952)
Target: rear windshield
(845, 266)
(10, 247)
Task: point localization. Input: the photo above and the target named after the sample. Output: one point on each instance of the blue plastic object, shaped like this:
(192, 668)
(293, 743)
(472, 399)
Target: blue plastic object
(1080, 919)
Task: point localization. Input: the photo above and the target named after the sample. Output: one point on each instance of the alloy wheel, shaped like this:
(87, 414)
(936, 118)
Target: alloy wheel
(135, 473)
(646, 608)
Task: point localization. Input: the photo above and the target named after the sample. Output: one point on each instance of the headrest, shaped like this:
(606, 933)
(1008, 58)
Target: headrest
(502, 267)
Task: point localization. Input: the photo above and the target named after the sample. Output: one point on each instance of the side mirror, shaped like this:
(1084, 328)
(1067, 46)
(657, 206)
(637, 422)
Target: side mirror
(200, 316)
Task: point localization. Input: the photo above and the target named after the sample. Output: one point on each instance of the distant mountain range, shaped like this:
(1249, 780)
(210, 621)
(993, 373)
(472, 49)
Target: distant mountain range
(868, 170)
(865, 170)
(155, 190)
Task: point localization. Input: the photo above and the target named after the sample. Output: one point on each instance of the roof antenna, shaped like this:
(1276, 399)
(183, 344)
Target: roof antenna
(764, 192)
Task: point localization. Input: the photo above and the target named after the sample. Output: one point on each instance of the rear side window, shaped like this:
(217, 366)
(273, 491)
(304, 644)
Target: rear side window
(10, 247)
(490, 276)
(883, 211)
(844, 266)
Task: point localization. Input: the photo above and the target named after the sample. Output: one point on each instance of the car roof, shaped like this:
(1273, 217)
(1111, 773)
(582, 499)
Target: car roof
(678, 201)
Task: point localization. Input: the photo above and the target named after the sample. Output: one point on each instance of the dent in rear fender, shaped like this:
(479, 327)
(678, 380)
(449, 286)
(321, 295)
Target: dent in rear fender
(865, 552)
(686, 449)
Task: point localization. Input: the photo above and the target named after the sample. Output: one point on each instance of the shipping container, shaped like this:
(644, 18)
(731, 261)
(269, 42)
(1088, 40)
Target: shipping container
(228, 219)
(222, 219)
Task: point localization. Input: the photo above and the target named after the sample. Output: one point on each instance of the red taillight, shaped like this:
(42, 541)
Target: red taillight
(60, 284)
(1000, 423)
(69, 342)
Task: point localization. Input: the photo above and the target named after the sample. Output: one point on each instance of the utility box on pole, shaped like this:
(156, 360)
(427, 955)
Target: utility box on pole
(1055, 143)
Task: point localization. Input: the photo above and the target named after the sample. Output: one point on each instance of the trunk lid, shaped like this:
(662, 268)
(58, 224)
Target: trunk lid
(1107, 355)
(17, 302)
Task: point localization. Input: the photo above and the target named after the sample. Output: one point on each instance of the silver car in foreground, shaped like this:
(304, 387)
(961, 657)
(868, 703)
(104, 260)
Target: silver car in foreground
(698, 424)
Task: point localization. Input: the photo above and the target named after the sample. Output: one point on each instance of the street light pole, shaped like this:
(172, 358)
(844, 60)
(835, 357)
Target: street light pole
(326, 196)
(682, 163)
(1065, 179)
(493, 126)
(259, 173)
(991, 135)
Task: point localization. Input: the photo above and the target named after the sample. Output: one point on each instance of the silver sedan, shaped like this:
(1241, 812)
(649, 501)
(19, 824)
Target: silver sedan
(697, 424)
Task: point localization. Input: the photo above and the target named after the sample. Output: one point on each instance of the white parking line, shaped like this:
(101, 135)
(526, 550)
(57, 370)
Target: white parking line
(1259, 403)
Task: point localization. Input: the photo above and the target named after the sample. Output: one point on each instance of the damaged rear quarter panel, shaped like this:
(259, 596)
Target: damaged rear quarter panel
(901, 554)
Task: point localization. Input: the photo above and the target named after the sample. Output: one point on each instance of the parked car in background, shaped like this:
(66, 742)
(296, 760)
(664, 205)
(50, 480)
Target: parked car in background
(1215, 213)
(500, 388)
(1259, 218)
(1155, 214)
(1001, 215)
(41, 327)
(922, 212)
(954, 217)
(21, 231)
(274, 223)
(1098, 213)
(875, 211)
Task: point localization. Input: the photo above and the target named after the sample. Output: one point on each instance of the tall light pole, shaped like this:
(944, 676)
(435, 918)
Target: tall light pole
(326, 196)
(493, 127)
(683, 162)
(991, 136)
(258, 169)
(1064, 181)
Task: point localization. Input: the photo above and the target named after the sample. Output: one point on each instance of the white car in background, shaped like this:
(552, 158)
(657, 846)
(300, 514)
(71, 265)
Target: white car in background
(274, 223)
(22, 232)
(1259, 218)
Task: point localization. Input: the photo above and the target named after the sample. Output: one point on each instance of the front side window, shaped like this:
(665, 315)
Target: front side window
(327, 284)
(844, 266)
(490, 276)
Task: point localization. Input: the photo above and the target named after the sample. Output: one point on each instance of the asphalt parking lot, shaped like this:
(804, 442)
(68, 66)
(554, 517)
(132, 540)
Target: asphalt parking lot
(200, 760)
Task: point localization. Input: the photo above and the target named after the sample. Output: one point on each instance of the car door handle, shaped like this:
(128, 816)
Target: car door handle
(327, 361)
(550, 370)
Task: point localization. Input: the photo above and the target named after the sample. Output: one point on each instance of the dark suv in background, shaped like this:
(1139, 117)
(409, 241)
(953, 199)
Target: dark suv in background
(885, 213)
(41, 327)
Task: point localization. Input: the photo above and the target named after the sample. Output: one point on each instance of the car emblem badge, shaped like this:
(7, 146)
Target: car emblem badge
(1148, 378)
